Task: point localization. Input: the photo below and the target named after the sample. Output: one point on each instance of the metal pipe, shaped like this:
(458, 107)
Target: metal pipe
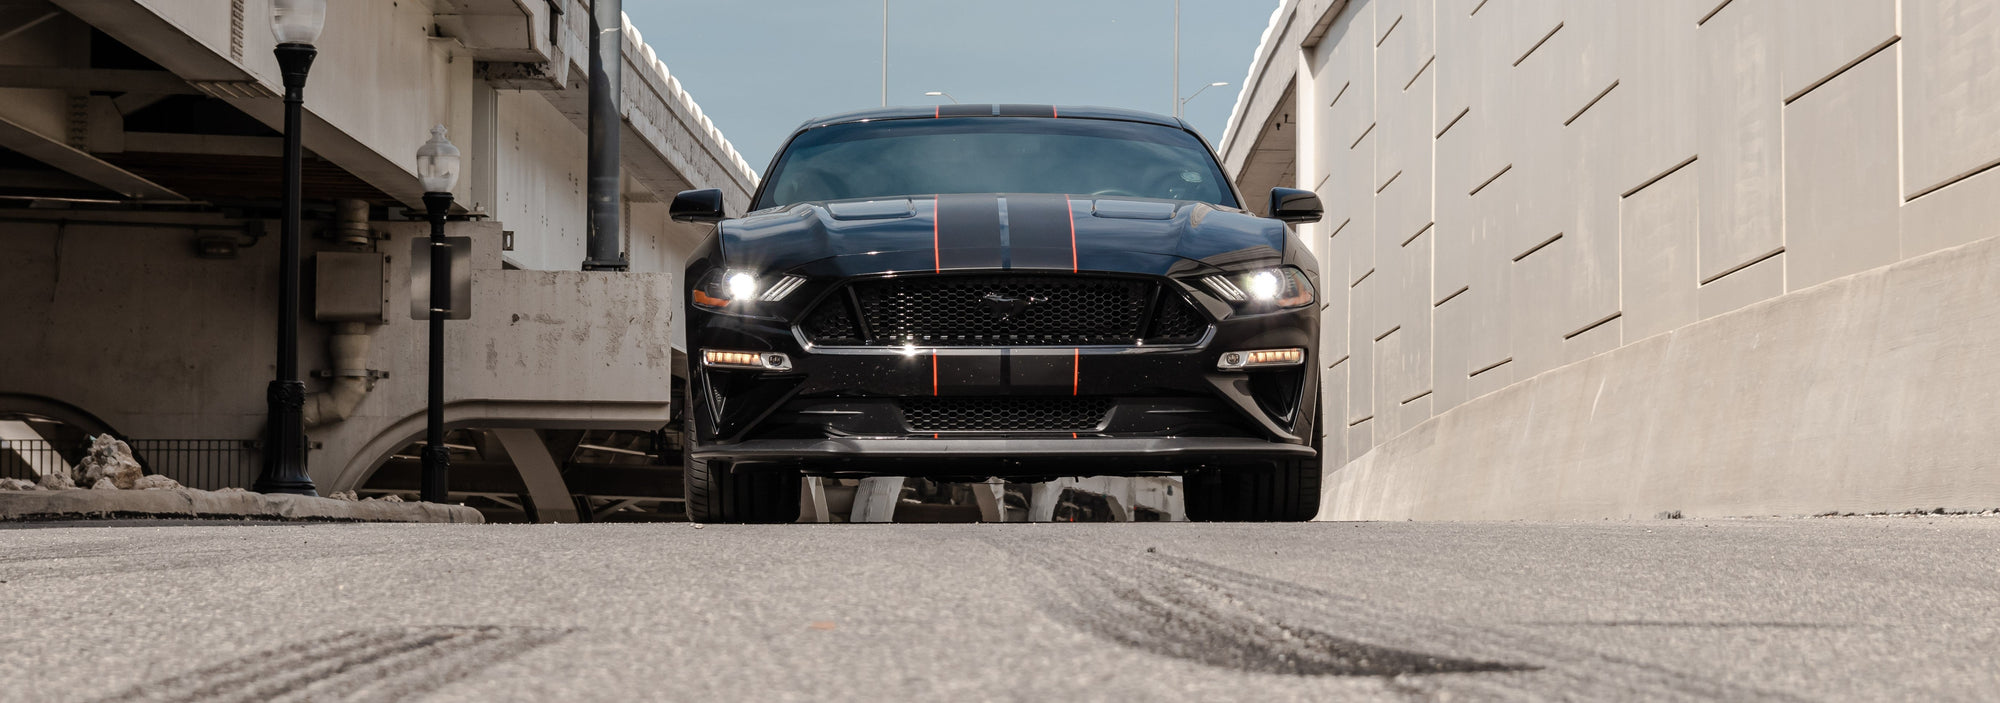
(350, 223)
(347, 348)
(607, 62)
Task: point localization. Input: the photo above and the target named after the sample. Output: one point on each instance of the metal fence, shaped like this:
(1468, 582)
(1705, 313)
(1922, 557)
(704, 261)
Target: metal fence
(206, 464)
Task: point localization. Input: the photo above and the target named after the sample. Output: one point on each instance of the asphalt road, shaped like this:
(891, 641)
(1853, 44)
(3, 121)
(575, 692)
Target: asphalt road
(1807, 609)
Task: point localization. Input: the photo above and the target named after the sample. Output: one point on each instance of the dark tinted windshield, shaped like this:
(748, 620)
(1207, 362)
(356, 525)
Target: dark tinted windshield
(894, 158)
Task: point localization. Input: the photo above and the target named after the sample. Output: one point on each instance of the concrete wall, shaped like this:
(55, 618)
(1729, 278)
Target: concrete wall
(1800, 404)
(1519, 188)
(88, 321)
(123, 320)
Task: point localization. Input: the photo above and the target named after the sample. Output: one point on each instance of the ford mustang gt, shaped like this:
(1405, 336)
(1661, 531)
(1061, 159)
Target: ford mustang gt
(1025, 292)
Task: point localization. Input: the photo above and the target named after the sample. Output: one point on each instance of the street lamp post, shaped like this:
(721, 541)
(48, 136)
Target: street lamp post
(945, 95)
(437, 167)
(1179, 110)
(296, 24)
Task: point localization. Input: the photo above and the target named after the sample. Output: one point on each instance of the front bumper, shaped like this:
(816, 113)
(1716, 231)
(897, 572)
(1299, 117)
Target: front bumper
(840, 410)
(1001, 456)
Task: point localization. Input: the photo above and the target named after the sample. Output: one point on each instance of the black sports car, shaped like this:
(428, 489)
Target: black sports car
(1026, 292)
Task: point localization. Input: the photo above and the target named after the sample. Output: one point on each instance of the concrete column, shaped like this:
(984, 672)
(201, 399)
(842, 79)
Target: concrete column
(875, 500)
(540, 473)
(1043, 497)
(992, 499)
(812, 501)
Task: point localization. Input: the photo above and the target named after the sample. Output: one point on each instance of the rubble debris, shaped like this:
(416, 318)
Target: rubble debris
(104, 483)
(155, 482)
(57, 481)
(15, 484)
(391, 498)
(231, 489)
(343, 495)
(109, 459)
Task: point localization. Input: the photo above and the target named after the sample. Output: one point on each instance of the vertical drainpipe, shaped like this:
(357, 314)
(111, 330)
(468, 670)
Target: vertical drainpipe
(607, 42)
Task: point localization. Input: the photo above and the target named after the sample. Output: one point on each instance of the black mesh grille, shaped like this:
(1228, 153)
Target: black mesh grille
(1006, 413)
(1005, 310)
(1177, 322)
(831, 323)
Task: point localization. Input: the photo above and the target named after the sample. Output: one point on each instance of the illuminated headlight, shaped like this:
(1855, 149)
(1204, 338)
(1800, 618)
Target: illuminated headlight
(1283, 287)
(742, 286)
(734, 290)
(755, 361)
(1260, 358)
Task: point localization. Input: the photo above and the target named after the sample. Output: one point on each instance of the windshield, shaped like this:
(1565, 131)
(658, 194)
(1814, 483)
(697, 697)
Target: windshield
(921, 157)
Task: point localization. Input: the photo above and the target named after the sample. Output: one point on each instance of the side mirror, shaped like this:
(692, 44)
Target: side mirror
(1292, 205)
(697, 206)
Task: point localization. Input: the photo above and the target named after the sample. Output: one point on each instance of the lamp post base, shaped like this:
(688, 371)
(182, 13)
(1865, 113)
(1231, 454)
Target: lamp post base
(284, 442)
(436, 476)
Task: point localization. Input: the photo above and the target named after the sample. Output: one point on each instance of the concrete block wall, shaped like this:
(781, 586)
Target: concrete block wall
(1516, 186)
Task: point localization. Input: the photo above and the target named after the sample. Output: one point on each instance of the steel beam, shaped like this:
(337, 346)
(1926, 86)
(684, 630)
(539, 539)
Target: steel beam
(62, 156)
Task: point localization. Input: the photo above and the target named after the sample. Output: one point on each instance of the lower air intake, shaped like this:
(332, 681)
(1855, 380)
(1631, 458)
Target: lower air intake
(1006, 414)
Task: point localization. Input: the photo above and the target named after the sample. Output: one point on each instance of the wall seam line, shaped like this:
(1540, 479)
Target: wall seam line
(1828, 78)
(1739, 267)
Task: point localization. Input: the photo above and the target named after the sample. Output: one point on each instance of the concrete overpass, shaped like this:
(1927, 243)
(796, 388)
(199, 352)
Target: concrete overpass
(1613, 259)
(140, 175)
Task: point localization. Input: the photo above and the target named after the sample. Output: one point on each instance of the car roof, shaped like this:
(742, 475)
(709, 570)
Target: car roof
(979, 110)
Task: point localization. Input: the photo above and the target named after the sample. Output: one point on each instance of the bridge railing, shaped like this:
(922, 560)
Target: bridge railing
(206, 464)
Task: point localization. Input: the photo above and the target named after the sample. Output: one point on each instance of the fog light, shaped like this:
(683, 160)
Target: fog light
(1231, 361)
(758, 361)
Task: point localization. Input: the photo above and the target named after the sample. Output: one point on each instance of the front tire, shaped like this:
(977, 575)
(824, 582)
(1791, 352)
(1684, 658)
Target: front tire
(717, 491)
(1286, 491)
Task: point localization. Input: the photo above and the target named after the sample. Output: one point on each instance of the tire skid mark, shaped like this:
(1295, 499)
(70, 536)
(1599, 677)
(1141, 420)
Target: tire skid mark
(415, 675)
(1199, 611)
(1371, 620)
(388, 664)
(1173, 617)
(252, 679)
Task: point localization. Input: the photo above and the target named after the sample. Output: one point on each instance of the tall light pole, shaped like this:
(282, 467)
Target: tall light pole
(296, 24)
(947, 96)
(885, 52)
(1197, 94)
(437, 168)
(1177, 58)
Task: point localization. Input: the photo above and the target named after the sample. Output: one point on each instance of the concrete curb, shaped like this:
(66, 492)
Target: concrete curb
(84, 504)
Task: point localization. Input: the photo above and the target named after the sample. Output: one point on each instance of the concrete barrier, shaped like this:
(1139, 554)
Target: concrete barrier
(92, 504)
(1878, 391)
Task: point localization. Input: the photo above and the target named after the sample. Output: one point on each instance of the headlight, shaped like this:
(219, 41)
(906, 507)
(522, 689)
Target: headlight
(1282, 287)
(735, 290)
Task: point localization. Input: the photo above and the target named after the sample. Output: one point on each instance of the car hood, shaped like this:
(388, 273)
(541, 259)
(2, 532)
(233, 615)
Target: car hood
(989, 231)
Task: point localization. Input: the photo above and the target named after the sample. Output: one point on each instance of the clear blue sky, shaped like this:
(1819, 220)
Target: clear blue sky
(760, 67)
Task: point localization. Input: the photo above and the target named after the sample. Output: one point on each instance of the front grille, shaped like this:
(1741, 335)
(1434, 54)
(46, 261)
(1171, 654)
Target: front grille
(1177, 322)
(1004, 310)
(1006, 413)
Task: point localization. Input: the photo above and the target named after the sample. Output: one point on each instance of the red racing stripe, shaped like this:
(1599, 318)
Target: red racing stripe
(1075, 371)
(1072, 232)
(934, 383)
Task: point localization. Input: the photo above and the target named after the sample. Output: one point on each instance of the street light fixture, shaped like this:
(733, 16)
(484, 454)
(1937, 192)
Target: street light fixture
(947, 96)
(296, 24)
(1198, 93)
(437, 168)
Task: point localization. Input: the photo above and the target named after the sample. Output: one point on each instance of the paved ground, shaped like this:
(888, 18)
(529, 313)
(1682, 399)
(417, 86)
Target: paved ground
(1828, 609)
